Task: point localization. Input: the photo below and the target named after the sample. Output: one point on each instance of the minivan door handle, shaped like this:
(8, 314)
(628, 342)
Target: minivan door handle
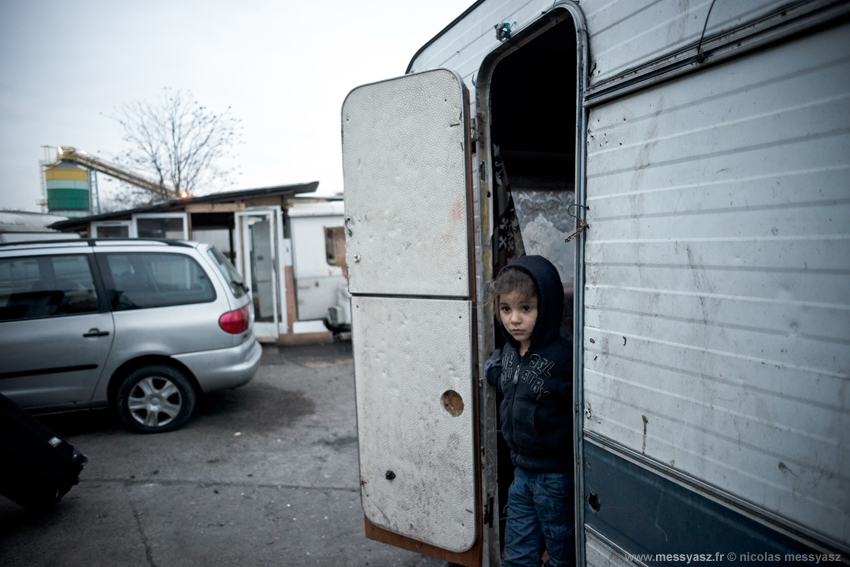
(96, 333)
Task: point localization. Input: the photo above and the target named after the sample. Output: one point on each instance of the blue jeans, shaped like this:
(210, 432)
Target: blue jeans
(540, 516)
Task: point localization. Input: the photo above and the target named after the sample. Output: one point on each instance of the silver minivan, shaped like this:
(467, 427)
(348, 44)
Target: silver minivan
(143, 326)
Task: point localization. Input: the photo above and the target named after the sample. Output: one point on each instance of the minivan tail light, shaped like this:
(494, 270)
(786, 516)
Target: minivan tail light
(235, 322)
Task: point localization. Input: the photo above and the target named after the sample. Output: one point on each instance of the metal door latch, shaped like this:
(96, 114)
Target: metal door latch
(582, 224)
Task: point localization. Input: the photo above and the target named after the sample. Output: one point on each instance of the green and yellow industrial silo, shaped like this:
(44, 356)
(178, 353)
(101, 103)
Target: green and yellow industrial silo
(68, 190)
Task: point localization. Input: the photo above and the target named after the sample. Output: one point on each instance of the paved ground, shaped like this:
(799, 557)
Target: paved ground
(265, 474)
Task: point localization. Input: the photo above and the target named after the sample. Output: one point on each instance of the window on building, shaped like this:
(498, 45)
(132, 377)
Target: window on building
(165, 227)
(335, 246)
(111, 230)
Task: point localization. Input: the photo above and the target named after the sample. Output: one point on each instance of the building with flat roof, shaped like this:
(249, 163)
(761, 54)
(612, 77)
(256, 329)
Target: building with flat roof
(284, 242)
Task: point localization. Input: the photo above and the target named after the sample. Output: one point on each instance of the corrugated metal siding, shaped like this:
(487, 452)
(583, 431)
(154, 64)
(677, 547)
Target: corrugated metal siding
(464, 47)
(717, 319)
(623, 33)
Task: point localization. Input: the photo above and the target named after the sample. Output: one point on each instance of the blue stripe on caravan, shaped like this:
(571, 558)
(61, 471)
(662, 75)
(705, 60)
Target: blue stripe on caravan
(644, 513)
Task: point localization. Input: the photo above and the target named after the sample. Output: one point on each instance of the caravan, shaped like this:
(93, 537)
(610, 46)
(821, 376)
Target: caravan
(696, 154)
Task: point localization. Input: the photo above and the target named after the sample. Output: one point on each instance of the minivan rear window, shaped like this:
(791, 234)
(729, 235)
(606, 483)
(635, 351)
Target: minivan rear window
(142, 280)
(46, 286)
(230, 274)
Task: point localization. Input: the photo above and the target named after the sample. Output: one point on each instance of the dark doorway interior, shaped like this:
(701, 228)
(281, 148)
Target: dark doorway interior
(533, 122)
(533, 110)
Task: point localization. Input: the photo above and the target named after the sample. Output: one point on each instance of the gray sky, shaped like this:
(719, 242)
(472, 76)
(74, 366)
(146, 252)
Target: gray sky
(284, 68)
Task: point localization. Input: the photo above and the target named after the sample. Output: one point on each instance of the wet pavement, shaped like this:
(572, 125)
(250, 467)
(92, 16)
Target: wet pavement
(266, 474)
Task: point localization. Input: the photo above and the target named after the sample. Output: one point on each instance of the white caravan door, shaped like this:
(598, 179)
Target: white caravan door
(408, 229)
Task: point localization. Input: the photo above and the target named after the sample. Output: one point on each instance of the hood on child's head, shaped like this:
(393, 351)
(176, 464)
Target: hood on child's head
(550, 300)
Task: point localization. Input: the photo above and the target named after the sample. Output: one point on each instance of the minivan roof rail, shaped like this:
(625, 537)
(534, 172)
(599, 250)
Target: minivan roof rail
(94, 242)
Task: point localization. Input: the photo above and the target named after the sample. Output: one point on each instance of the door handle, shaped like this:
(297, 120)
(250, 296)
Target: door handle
(96, 333)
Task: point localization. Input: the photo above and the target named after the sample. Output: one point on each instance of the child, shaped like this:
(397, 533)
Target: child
(536, 413)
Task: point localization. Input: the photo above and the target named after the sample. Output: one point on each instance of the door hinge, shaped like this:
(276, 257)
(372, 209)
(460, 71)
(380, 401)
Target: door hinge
(488, 512)
(475, 128)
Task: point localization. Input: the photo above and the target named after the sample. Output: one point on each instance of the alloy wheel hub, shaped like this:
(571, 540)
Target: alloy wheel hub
(155, 401)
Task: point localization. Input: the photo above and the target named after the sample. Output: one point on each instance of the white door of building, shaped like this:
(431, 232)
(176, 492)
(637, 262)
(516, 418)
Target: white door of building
(258, 260)
(407, 209)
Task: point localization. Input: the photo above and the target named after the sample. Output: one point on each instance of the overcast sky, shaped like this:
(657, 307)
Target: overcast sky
(284, 67)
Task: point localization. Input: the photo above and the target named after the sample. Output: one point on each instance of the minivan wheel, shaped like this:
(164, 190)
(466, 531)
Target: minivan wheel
(155, 398)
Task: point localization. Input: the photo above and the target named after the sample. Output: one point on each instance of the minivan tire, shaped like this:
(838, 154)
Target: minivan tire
(155, 398)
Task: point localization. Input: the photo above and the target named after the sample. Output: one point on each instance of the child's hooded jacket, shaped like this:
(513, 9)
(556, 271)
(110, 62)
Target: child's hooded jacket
(536, 412)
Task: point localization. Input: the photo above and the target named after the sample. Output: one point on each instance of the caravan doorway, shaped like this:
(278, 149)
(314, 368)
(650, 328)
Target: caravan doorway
(533, 112)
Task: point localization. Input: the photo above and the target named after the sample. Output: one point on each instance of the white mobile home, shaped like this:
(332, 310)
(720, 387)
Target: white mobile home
(319, 274)
(706, 145)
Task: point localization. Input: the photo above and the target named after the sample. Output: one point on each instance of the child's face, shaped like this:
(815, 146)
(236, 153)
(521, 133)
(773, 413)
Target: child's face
(519, 315)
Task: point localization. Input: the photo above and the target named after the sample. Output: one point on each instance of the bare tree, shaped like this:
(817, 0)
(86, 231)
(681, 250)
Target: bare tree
(118, 195)
(183, 145)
